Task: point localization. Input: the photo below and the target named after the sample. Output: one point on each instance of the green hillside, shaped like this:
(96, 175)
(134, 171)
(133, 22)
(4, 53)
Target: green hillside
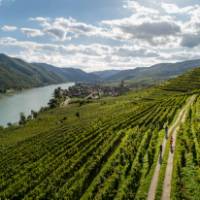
(102, 149)
(186, 176)
(69, 74)
(186, 83)
(150, 75)
(18, 74)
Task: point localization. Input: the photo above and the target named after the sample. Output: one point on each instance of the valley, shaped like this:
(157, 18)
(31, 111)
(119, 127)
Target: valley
(99, 100)
(106, 148)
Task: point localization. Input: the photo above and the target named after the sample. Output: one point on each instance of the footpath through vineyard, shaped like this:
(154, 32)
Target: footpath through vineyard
(169, 169)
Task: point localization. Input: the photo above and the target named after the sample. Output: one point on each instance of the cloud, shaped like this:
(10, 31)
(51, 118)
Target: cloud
(174, 9)
(133, 27)
(88, 57)
(152, 32)
(29, 32)
(149, 30)
(8, 28)
(129, 51)
(191, 40)
(66, 28)
(140, 30)
(136, 7)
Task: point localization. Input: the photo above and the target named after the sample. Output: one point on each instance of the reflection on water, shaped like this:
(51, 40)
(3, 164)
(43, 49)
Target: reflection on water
(25, 101)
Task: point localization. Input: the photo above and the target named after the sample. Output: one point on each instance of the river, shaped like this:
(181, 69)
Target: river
(32, 99)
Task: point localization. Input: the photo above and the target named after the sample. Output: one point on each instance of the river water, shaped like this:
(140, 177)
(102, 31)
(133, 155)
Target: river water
(32, 99)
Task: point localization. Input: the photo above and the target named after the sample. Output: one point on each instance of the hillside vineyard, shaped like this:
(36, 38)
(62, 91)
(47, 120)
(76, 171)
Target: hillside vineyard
(107, 148)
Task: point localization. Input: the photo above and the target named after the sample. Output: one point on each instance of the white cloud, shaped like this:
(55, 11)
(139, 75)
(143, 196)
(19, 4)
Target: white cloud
(137, 8)
(29, 32)
(174, 9)
(153, 32)
(135, 27)
(66, 28)
(8, 28)
(88, 57)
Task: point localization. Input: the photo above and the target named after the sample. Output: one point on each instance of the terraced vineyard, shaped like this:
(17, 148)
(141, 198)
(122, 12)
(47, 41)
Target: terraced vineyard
(186, 176)
(108, 151)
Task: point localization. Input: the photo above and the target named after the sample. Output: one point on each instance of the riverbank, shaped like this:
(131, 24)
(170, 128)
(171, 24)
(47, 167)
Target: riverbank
(12, 104)
(11, 91)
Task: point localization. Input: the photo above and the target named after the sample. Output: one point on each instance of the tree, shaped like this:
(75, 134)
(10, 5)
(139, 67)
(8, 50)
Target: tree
(34, 114)
(57, 93)
(22, 120)
(9, 124)
(53, 103)
(58, 97)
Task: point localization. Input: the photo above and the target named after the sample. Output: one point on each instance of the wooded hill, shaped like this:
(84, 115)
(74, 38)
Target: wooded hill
(149, 75)
(17, 74)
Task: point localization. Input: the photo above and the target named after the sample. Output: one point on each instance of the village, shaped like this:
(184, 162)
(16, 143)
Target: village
(95, 91)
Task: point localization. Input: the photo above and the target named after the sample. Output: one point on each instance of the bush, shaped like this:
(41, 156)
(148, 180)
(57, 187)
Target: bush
(22, 120)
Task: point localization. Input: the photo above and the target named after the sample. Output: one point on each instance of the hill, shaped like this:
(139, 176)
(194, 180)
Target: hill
(18, 74)
(187, 82)
(105, 75)
(102, 149)
(69, 74)
(155, 73)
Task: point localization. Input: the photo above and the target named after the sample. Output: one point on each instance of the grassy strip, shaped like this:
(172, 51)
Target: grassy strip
(147, 176)
(164, 165)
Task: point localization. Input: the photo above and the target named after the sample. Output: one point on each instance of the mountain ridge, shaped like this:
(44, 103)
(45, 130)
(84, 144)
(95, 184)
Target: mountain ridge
(160, 71)
(18, 74)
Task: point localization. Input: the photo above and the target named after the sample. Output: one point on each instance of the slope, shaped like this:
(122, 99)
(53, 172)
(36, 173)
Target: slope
(68, 74)
(107, 151)
(18, 74)
(185, 83)
(158, 72)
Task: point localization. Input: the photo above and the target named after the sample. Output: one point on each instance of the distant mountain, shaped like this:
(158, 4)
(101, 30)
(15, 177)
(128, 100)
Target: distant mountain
(106, 74)
(158, 72)
(68, 74)
(18, 74)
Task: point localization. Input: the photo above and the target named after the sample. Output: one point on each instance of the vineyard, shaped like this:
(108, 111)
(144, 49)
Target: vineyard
(186, 176)
(108, 150)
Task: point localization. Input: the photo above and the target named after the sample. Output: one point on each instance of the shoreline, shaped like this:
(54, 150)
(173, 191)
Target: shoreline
(15, 102)
(11, 91)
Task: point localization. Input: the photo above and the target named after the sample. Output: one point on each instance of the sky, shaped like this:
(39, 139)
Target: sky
(96, 35)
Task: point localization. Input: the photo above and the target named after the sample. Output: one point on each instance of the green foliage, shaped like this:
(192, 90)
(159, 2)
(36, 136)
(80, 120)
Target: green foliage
(188, 82)
(141, 77)
(186, 175)
(17, 74)
(101, 156)
(107, 154)
(22, 120)
(34, 114)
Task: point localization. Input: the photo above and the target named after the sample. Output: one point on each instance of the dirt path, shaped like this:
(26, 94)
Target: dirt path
(169, 170)
(65, 103)
(167, 182)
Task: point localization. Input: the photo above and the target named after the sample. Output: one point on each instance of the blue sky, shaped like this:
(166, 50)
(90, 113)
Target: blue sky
(98, 35)
(18, 11)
